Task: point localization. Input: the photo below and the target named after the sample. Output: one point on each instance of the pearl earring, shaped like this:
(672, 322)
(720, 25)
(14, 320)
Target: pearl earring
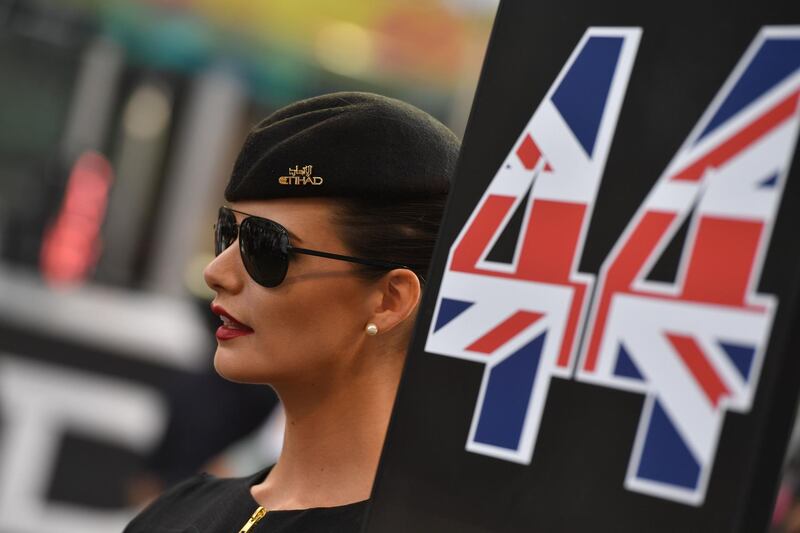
(371, 329)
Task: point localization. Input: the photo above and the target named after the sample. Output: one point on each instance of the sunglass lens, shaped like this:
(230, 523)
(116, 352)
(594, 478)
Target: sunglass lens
(263, 247)
(224, 230)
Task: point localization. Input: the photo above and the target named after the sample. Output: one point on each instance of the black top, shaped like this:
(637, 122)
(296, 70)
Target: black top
(206, 504)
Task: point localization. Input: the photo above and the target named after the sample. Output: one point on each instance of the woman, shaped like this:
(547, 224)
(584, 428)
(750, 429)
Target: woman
(333, 209)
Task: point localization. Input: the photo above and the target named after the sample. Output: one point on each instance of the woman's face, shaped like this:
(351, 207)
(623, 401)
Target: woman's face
(309, 328)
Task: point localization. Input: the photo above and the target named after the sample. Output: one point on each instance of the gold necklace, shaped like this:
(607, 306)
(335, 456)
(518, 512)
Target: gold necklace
(254, 519)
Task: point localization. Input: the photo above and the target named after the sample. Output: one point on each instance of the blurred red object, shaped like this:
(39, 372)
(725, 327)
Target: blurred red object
(71, 246)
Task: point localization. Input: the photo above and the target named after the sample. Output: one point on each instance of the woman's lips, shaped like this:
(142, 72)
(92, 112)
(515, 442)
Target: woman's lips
(230, 328)
(225, 333)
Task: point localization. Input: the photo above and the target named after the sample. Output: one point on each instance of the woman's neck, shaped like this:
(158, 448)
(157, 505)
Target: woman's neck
(332, 441)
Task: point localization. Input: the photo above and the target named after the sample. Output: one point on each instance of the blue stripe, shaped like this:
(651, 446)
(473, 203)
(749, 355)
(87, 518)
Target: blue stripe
(625, 366)
(741, 356)
(665, 456)
(581, 96)
(769, 182)
(448, 310)
(775, 61)
(508, 393)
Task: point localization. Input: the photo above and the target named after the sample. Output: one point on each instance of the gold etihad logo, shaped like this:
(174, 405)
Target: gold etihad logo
(300, 176)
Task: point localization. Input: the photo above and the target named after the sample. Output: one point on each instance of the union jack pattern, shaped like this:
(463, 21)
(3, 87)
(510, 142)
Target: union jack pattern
(521, 317)
(695, 347)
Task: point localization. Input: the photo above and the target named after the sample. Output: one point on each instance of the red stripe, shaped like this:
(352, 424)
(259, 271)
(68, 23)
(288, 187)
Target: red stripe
(504, 332)
(637, 248)
(528, 152)
(551, 240)
(547, 254)
(570, 335)
(480, 232)
(741, 140)
(697, 363)
(721, 261)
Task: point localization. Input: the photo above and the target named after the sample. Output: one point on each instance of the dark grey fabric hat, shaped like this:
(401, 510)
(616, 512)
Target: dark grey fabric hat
(345, 144)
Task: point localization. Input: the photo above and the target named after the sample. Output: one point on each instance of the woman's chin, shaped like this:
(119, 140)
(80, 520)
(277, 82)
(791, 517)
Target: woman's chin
(234, 366)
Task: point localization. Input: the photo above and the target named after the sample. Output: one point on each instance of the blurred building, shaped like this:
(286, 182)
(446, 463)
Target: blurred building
(119, 122)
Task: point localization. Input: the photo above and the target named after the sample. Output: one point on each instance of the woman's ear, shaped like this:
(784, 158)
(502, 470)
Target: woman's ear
(400, 294)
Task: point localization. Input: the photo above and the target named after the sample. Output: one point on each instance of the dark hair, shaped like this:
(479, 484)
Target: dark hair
(401, 232)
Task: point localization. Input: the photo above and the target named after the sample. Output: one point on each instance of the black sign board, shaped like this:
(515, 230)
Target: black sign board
(609, 337)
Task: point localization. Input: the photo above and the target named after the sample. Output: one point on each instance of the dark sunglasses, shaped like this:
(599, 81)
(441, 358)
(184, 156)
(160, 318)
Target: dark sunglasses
(265, 248)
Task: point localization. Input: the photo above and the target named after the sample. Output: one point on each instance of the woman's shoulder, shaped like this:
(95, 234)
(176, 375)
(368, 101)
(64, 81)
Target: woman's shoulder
(203, 498)
(208, 504)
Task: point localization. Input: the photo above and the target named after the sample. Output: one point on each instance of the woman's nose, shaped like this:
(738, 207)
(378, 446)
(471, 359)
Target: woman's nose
(224, 272)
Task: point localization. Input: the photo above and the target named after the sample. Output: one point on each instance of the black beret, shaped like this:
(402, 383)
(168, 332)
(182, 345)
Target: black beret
(345, 144)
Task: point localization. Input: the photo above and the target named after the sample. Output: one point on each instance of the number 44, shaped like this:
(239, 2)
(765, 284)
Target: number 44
(512, 297)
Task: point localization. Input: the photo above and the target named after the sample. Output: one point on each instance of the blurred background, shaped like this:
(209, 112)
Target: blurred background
(119, 123)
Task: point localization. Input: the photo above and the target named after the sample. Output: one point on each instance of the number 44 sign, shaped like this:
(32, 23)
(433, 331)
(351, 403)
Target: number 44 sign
(694, 347)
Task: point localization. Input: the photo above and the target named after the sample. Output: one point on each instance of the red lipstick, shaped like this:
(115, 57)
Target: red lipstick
(230, 328)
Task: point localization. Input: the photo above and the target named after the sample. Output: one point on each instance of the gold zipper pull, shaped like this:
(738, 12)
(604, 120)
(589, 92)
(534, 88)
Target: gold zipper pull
(257, 515)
